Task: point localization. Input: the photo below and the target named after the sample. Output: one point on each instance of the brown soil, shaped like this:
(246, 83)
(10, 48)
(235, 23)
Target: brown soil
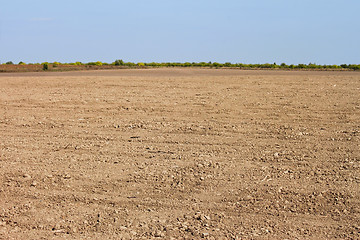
(180, 154)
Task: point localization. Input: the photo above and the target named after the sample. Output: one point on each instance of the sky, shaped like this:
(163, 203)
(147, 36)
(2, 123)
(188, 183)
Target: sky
(237, 31)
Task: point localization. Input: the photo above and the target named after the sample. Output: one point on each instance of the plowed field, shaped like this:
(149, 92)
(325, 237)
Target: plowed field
(180, 154)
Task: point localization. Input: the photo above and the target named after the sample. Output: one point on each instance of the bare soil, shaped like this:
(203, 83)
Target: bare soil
(180, 154)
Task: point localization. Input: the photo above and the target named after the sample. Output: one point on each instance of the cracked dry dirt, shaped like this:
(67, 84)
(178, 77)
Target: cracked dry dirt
(180, 154)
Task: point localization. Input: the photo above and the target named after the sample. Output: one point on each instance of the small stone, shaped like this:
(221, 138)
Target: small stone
(204, 235)
(276, 154)
(59, 231)
(27, 176)
(66, 176)
(33, 184)
(159, 234)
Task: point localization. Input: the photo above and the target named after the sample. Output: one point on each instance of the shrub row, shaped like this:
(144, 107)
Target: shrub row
(204, 64)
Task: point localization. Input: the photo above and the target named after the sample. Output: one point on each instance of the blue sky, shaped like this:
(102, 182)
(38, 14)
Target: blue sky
(257, 31)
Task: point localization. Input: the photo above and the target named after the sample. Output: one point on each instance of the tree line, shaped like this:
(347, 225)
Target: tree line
(199, 64)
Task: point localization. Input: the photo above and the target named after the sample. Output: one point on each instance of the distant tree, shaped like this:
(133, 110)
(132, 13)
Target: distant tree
(21, 63)
(313, 66)
(119, 62)
(283, 65)
(9, 63)
(215, 64)
(203, 64)
(265, 65)
(354, 67)
(45, 66)
(301, 66)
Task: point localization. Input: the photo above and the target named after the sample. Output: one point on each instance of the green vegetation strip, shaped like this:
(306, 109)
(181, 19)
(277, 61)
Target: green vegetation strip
(57, 66)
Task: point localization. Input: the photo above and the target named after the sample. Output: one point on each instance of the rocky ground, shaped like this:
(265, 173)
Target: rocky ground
(180, 154)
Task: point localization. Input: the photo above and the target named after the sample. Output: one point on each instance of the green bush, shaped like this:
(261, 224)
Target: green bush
(215, 64)
(301, 66)
(9, 63)
(312, 66)
(98, 63)
(119, 62)
(266, 65)
(130, 64)
(45, 66)
(354, 67)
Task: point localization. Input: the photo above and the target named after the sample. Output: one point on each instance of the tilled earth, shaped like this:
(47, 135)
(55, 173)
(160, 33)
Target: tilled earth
(180, 154)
